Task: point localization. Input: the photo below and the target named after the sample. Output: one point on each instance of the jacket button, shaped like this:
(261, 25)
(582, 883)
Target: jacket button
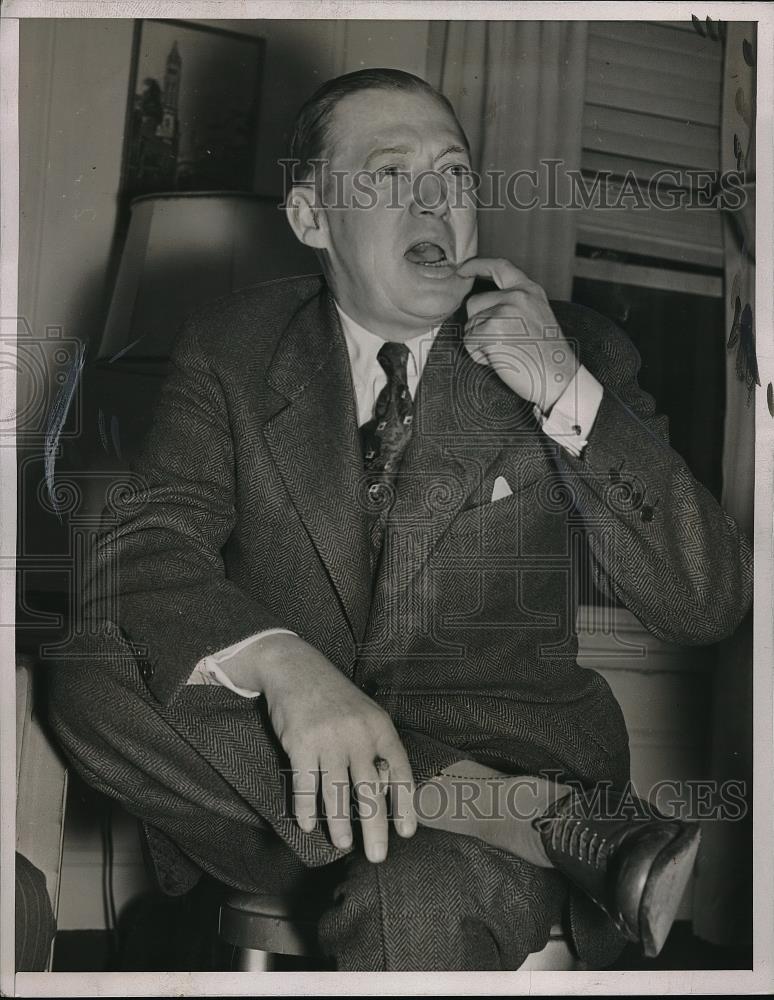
(646, 514)
(147, 669)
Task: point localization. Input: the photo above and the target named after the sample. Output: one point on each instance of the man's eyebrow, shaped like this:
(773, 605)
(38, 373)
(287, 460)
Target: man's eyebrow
(405, 150)
(387, 150)
(451, 149)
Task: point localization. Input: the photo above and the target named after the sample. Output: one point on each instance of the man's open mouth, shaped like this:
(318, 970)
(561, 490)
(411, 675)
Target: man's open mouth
(427, 254)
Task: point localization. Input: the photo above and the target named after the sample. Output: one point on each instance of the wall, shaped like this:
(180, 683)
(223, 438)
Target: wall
(72, 109)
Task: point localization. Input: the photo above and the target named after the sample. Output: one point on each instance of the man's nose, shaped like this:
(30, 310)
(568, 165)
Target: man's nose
(429, 194)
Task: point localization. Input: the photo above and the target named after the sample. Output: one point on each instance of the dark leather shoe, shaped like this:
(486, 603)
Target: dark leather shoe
(629, 859)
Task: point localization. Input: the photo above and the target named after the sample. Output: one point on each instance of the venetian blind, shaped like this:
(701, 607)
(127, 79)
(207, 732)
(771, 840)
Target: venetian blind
(652, 103)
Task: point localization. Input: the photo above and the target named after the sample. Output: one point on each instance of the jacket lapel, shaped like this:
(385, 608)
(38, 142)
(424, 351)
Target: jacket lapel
(464, 418)
(313, 438)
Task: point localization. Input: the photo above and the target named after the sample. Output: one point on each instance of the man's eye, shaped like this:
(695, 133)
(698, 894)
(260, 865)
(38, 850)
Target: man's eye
(391, 171)
(456, 169)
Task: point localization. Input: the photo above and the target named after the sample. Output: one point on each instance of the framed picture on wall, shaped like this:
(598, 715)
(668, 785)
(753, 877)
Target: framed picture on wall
(192, 117)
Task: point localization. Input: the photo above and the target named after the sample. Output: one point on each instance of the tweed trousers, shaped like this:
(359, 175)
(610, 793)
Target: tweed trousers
(440, 901)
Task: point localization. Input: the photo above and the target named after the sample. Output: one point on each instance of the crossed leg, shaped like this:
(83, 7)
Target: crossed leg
(206, 771)
(441, 901)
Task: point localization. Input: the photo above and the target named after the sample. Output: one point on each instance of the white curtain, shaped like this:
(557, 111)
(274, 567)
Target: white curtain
(722, 897)
(518, 88)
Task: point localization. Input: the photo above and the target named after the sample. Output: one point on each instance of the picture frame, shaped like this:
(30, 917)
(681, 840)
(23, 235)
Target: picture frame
(192, 109)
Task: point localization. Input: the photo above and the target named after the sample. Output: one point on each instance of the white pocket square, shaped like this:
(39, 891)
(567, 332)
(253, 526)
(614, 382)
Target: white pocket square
(501, 489)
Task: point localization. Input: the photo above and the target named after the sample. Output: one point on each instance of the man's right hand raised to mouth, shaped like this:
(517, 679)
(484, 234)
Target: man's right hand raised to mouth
(334, 734)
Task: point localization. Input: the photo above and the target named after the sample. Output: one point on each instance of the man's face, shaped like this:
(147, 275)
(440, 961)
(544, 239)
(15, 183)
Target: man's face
(391, 263)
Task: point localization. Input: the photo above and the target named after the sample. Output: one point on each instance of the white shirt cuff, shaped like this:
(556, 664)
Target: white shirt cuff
(572, 416)
(209, 671)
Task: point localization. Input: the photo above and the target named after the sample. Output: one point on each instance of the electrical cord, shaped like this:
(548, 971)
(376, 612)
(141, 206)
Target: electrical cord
(108, 890)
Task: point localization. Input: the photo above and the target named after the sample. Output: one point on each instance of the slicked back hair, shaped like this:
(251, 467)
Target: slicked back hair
(314, 122)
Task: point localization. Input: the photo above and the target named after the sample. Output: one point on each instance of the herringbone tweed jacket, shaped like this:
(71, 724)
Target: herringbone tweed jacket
(252, 517)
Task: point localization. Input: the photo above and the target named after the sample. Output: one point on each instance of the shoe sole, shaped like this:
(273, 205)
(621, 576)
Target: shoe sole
(664, 888)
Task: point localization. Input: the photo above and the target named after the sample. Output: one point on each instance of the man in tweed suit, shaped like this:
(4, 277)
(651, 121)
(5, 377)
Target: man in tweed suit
(350, 554)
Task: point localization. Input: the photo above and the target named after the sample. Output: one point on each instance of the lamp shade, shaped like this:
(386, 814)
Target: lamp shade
(185, 249)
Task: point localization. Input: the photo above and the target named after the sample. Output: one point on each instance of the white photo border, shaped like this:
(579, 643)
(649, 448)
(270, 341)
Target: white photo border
(761, 978)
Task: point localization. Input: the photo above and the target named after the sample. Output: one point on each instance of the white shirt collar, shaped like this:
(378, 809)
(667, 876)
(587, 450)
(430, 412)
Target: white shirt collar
(363, 346)
(368, 376)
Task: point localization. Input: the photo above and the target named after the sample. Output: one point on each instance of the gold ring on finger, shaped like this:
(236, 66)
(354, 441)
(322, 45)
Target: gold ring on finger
(382, 766)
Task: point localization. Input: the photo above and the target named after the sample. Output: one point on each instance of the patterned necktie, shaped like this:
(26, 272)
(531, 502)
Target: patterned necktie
(385, 437)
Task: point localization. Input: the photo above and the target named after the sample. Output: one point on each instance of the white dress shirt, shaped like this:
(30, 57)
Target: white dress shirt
(569, 424)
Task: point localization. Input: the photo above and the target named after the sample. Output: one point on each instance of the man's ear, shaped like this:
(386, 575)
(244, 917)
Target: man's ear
(306, 220)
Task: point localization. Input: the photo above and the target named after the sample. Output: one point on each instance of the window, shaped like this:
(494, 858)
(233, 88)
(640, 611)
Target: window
(649, 246)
